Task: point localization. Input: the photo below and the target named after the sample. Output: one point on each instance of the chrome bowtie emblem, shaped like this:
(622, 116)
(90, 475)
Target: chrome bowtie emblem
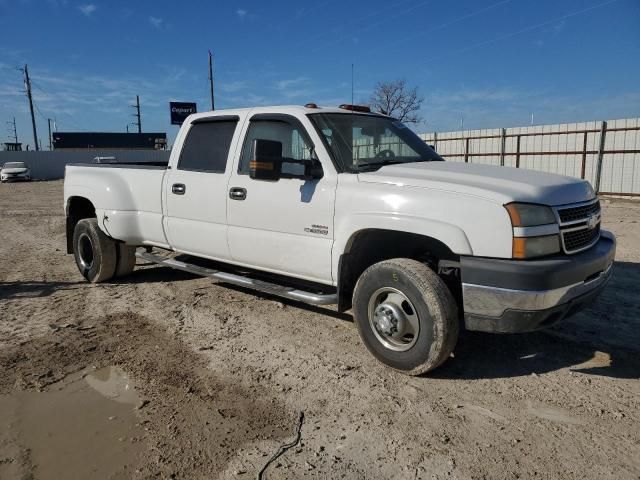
(592, 222)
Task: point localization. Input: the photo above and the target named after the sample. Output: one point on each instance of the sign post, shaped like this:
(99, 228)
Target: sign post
(180, 111)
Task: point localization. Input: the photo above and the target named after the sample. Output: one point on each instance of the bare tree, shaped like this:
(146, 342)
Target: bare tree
(397, 100)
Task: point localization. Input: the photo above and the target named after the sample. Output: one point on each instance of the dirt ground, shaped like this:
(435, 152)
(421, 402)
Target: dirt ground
(167, 375)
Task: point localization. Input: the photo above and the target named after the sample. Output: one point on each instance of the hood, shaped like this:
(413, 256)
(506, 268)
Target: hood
(501, 184)
(15, 170)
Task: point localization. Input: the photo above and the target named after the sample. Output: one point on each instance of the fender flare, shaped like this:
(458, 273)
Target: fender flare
(448, 234)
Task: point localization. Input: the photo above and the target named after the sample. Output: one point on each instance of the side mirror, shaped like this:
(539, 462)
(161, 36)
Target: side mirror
(313, 170)
(266, 160)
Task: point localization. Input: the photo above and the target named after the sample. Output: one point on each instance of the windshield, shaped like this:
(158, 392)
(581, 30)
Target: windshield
(363, 143)
(14, 165)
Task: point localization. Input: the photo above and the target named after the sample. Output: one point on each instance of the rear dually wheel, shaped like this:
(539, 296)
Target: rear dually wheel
(94, 252)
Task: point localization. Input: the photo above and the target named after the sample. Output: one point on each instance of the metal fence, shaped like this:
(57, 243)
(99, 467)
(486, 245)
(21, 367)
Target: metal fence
(50, 165)
(606, 153)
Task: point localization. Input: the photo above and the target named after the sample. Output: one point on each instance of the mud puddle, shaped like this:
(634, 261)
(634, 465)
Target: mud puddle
(83, 427)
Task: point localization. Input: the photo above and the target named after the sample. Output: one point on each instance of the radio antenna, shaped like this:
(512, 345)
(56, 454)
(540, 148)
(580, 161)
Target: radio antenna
(352, 84)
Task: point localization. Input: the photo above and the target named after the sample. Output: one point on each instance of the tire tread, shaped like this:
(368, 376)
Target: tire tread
(439, 301)
(104, 251)
(126, 259)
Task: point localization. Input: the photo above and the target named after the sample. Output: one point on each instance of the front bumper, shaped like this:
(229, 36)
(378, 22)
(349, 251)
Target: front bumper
(509, 296)
(6, 177)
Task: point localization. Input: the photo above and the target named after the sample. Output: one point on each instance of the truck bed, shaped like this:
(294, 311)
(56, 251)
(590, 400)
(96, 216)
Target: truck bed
(127, 198)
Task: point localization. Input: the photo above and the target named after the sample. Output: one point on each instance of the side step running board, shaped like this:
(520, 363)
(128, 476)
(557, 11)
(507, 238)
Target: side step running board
(242, 281)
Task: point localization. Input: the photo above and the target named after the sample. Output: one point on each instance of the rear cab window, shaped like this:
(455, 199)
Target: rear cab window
(206, 148)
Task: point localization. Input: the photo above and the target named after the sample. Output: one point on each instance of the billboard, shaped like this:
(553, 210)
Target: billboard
(180, 111)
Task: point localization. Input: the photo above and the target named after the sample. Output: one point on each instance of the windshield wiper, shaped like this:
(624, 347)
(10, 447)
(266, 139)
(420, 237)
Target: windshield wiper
(389, 161)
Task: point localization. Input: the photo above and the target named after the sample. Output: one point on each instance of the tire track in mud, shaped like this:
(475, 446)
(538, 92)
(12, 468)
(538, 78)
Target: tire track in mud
(196, 421)
(33, 281)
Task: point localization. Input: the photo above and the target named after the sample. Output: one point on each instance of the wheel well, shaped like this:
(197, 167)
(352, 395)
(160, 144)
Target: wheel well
(373, 245)
(77, 209)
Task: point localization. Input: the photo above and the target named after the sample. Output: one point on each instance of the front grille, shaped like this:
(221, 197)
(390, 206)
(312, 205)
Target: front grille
(582, 212)
(576, 240)
(579, 225)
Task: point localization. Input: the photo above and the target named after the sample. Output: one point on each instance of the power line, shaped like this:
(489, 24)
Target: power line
(526, 29)
(369, 26)
(48, 120)
(359, 20)
(72, 123)
(71, 119)
(40, 112)
(315, 7)
(69, 116)
(450, 22)
(8, 67)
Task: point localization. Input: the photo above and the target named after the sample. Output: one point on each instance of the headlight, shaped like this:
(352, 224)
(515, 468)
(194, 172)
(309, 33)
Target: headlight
(530, 247)
(529, 215)
(531, 230)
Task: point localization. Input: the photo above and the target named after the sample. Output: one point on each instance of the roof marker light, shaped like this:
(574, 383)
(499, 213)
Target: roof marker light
(355, 108)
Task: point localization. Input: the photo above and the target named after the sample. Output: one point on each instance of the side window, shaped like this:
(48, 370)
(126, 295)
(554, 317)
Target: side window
(206, 147)
(294, 145)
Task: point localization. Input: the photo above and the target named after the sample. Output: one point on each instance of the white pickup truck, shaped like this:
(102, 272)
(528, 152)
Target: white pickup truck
(343, 206)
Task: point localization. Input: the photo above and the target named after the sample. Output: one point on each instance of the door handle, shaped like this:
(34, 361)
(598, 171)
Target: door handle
(178, 188)
(237, 193)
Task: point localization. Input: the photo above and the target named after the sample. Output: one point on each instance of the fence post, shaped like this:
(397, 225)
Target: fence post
(435, 141)
(518, 151)
(603, 134)
(503, 140)
(584, 156)
(466, 150)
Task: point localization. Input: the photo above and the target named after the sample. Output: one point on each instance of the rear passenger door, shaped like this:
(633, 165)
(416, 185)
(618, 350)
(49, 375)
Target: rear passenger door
(196, 189)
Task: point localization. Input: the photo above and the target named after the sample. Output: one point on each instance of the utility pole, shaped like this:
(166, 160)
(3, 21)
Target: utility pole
(49, 123)
(14, 130)
(27, 84)
(213, 105)
(137, 114)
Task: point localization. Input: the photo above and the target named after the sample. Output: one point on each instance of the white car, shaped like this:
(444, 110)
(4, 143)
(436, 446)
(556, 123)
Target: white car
(15, 171)
(343, 206)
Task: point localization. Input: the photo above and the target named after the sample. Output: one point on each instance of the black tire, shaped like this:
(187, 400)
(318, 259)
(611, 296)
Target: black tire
(95, 253)
(126, 259)
(435, 319)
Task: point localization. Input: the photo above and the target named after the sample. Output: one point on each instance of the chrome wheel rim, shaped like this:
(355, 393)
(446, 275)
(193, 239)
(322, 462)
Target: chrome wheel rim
(393, 319)
(85, 251)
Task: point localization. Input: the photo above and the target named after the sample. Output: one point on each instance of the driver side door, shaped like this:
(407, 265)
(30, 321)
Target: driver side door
(283, 226)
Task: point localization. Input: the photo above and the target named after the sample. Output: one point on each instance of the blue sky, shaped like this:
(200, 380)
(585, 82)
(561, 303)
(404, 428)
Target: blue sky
(493, 62)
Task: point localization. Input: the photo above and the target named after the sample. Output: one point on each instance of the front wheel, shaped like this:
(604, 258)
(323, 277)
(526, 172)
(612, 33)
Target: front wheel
(406, 315)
